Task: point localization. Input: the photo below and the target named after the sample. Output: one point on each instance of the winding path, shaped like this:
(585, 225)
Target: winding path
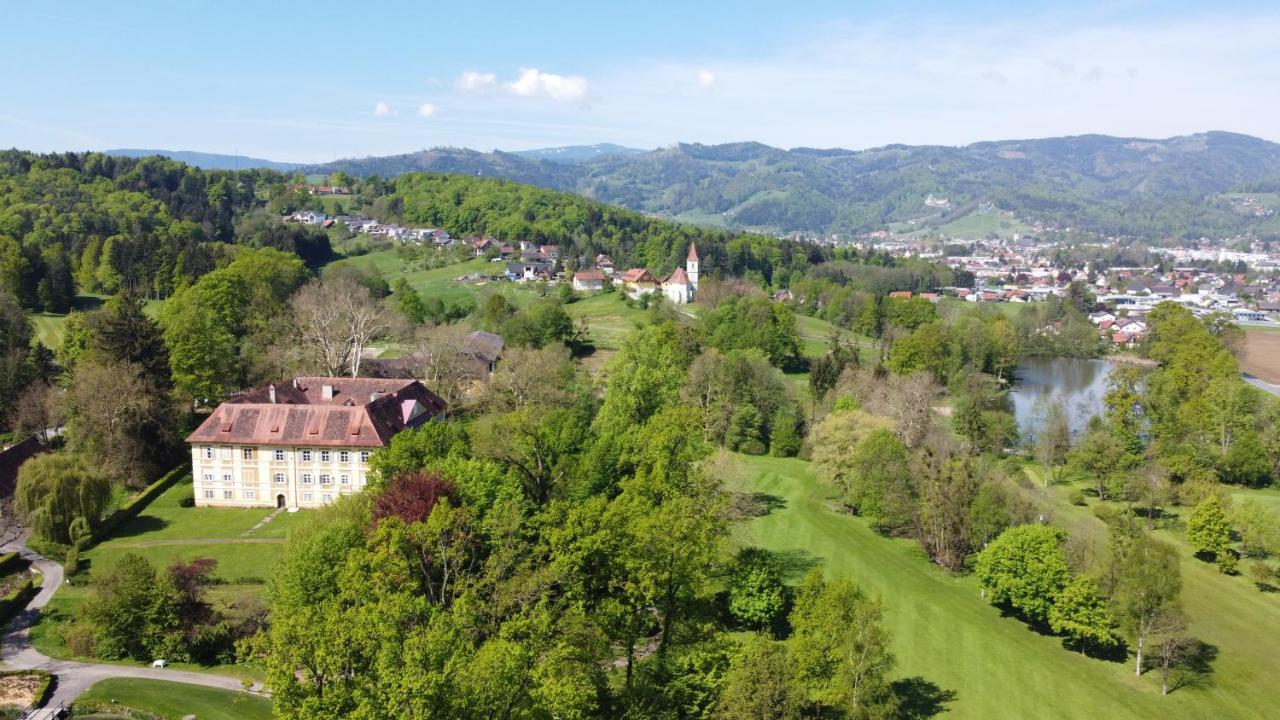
(74, 678)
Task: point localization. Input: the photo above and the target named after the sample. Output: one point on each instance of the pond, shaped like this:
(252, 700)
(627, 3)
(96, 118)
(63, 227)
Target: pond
(1079, 384)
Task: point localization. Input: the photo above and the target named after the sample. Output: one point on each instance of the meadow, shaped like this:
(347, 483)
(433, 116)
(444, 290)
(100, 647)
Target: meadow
(170, 701)
(983, 664)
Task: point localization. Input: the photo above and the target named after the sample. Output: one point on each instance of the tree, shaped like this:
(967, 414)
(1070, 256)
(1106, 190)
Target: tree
(412, 496)
(759, 683)
(1207, 528)
(56, 490)
(744, 431)
(1082, 615)
(1025, 569)
(839, 650)
(119, 420)
(1258, 528)
(880, 480)
(1147, 585)
(130, 610)
(786, 435)
(441, 359)
(336, 320)
(947, 488)
(1102, 456)
(1053, 442)
(121, 332)
(756, 592)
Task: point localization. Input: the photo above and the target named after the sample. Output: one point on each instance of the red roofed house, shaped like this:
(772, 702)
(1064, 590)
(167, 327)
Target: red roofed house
(901, 294)
(588, 280)
(683, 283)
(303, 443)
(638, 281)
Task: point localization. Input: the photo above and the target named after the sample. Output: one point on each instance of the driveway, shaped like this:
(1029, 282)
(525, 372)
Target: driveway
(74, 678)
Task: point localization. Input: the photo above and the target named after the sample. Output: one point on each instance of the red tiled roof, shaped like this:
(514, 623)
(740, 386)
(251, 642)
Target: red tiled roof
(589, 275)
(636, 275)
(361, 412)
(693, 252)
(679, 277)
(900, 294)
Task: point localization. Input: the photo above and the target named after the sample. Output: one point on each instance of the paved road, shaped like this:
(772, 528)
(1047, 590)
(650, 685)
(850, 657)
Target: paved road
(74, 678)
(1261, 384)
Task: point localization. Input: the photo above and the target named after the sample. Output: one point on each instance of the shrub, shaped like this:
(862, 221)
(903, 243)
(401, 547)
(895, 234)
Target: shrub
(756, 592)
(72, 564)
(1077, 497)
(1261, 573)
(1226, 562)
(79, 639)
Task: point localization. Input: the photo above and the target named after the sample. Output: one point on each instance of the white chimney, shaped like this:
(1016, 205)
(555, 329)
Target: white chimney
(271, 393)
(326, 392)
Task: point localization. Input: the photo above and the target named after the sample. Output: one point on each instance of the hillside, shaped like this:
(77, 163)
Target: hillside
(578, 153)
(207, 161)
(1127, 186)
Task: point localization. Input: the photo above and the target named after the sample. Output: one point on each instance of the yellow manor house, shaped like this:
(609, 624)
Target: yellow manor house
(302, 443)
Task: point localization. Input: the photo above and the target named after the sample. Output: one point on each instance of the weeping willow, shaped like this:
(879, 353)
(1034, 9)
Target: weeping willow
(60, 496)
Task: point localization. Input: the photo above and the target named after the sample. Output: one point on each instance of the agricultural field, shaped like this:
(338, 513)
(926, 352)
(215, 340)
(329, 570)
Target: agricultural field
(976, 663)
(1262, 354)
(246, 550)
(170, 701)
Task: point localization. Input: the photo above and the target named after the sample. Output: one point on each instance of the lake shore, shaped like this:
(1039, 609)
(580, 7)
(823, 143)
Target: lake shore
(1131, 359)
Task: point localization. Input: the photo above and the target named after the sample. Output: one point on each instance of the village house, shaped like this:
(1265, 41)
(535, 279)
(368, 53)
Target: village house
(302, 443)
(639, 281)
(588, 281)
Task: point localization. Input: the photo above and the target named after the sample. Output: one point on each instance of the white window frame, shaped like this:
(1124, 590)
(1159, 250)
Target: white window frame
(226, 478)
(209, 494)
(246, 453)
(344, 456)
(326, 479)
(364, 456)
(326, 456)
(306, 497)
(208, 477)
(306, 456)
(279, 455)
(228, 494)
(250, 494)
(344, 479)
(326, 497)
(307, 479)
(279, 478)
(208, 452)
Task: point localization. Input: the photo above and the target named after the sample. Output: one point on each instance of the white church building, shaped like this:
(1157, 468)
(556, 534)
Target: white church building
(682, 285)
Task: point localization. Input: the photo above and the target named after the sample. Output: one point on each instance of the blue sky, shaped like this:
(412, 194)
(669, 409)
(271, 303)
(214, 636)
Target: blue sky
(319, 80)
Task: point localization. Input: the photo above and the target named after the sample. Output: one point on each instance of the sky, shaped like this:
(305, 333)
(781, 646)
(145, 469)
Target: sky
(316, 81)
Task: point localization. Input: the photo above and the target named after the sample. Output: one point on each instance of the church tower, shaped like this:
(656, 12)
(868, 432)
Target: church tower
(691, 266)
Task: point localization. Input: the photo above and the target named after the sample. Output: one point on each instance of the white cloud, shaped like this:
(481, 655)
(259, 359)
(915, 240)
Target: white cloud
(706, 78)
(535, 83)
(426, 110)
(477, 83)
(529, 83)
(382, 109)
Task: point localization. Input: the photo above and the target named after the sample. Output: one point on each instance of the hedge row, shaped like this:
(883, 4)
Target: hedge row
(10, 562)
(137, 504)
(16, 600)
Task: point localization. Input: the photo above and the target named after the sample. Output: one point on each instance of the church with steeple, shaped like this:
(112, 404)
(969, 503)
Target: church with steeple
(681, 287)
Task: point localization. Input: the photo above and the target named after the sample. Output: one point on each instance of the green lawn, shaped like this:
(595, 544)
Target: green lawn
(165, 532)
(434, 282)
(174, 701)
(946, 633)
(608, 318)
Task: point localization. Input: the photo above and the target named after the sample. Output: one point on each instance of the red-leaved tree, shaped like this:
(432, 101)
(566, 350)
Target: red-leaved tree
(412, 496)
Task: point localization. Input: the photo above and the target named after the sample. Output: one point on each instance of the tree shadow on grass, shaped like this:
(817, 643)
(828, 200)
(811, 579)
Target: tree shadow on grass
(1195, 670)
(919, 699)
(141, 525)
(795, 563)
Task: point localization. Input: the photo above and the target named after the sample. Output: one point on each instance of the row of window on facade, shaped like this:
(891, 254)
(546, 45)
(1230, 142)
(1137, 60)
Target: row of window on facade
(247, 453)
(253, 495)
(281, 479)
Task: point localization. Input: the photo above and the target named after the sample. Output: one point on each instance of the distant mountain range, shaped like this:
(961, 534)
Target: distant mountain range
(209, 161)
(1128, 186)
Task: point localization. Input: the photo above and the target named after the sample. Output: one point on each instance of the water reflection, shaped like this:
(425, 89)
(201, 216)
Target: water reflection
(1079, 385)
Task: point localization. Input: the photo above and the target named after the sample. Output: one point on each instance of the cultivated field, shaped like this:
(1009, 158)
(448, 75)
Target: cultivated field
(1262, 354)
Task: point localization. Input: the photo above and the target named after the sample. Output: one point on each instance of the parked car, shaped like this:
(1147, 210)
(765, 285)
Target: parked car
(160, 663)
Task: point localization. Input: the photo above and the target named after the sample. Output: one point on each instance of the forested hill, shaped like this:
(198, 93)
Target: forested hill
(1126, 186)
(207, 161)
(92, 223)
